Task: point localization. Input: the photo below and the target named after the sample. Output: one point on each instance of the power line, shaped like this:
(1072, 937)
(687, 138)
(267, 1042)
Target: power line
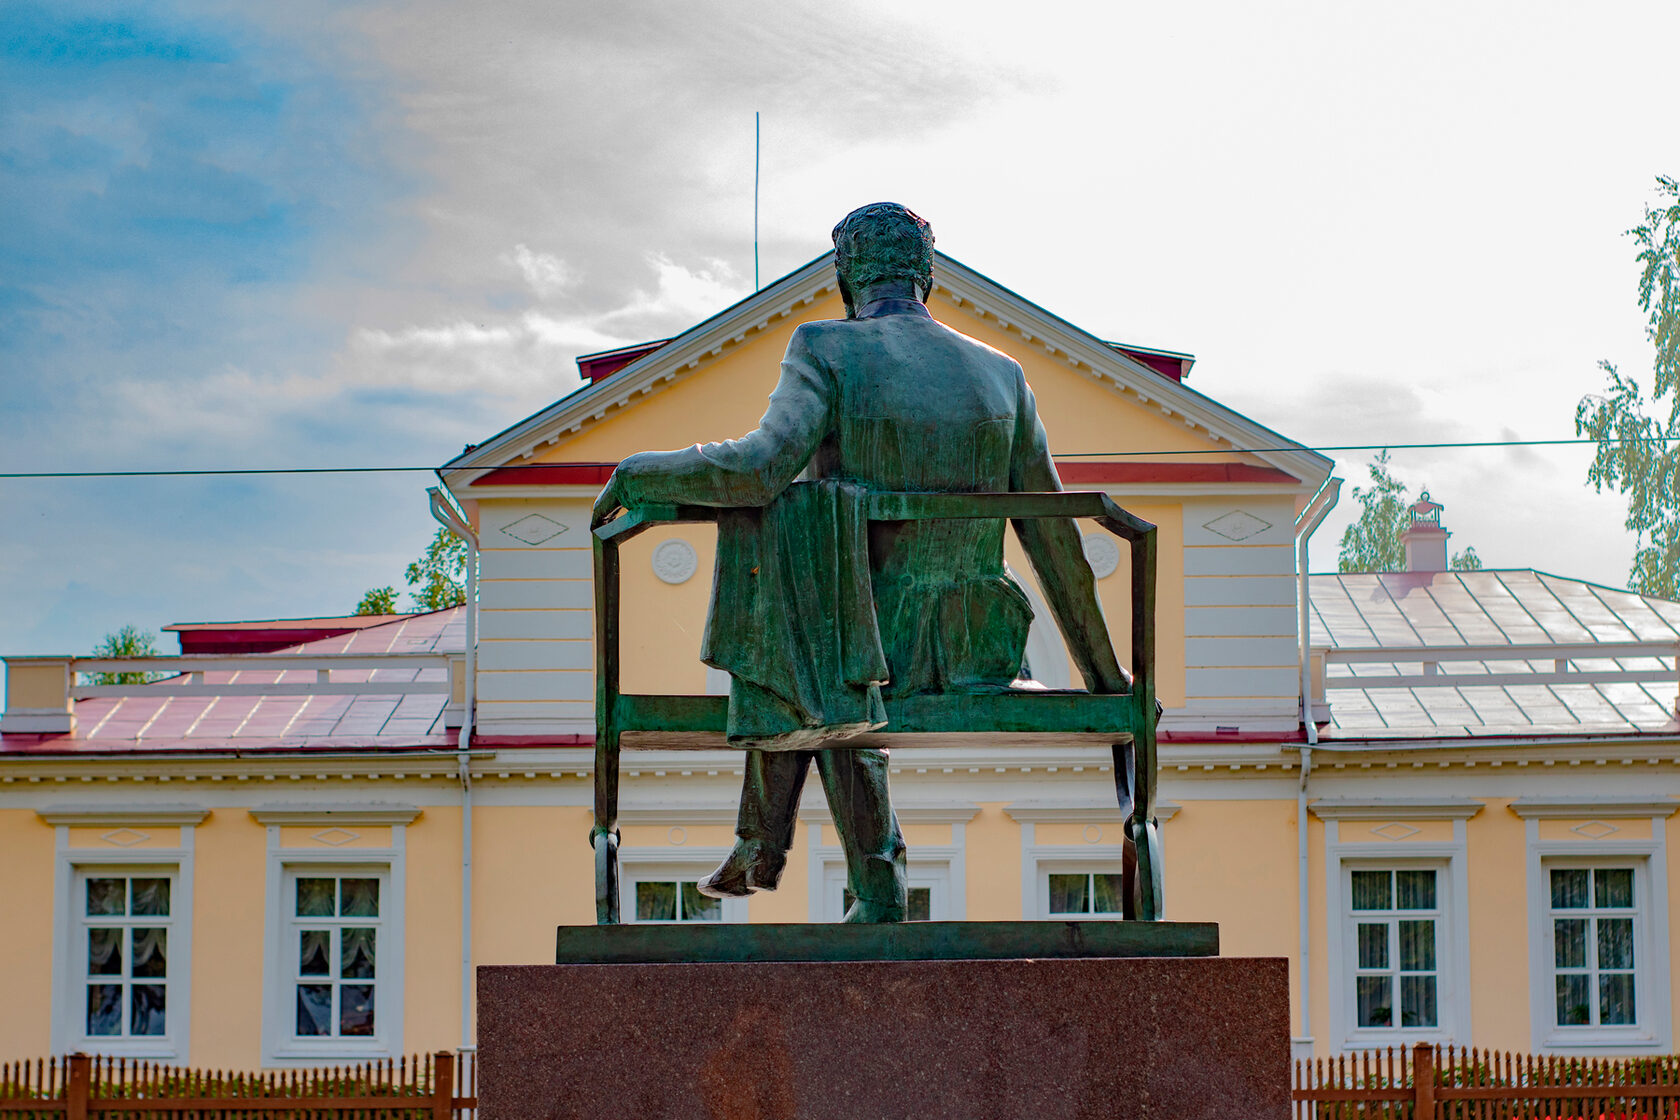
(217, 471)
(1435, 446)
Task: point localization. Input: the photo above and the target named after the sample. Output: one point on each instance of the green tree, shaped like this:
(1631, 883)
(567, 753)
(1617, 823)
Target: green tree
(130, 641)
(378, 600)
(440, 573)
(1372, 543)
(1636, 452)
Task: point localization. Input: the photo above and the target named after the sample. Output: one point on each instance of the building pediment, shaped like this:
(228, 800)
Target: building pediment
(1187, 427)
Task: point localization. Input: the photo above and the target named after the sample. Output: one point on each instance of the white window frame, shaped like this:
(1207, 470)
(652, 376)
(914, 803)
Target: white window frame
(1103, 851)
(1389, 918)
(663, 865)
(1087, 867)
(930, 867)
(1450, 861)
(1648, 858)
(292, 924)
(72, 866)
(942, 868)
(281, 1043)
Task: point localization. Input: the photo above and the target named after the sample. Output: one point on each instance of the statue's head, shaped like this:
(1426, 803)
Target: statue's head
(882, 241)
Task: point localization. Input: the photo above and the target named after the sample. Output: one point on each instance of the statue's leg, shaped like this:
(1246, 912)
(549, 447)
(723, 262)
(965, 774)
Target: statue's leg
(764, 829)
(855, 781)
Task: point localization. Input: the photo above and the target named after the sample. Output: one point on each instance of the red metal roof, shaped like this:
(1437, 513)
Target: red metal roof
(265, 636)
(157, 722)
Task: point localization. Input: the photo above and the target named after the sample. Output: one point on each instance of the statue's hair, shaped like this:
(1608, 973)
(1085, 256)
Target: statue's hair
(882, 241)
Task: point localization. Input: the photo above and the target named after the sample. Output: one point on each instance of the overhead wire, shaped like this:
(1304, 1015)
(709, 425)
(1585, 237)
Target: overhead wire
(1440, 445)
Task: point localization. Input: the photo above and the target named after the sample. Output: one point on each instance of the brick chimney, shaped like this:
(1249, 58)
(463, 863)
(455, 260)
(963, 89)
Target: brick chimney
(1425, 540)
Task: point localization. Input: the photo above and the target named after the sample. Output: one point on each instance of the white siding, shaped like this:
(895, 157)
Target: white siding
(536, 655)
(1240, 622)
(536, 623)
(553, 685)
(1241, 656)
(526, 625)
(539, 562)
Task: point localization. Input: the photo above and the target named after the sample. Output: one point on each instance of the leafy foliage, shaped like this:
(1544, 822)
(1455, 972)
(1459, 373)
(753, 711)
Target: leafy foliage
(1636, 453)
(1372, 543)
(440, 573)
(130, 641)
(378, 600)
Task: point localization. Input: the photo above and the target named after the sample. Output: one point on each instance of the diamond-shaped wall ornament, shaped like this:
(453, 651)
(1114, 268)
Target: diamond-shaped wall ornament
(1238, 525)
(534, 528)
(125, 837)
(336, 837)
(1394, 830)
(1595, 830)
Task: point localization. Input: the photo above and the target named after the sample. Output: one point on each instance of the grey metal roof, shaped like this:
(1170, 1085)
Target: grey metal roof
(1584, 659)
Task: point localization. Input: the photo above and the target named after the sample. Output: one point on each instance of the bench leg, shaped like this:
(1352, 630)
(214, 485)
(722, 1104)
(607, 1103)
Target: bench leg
(1141, 828)
(604, 836)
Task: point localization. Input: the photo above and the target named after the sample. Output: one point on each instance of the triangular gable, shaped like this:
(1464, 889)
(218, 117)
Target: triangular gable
(719, 373)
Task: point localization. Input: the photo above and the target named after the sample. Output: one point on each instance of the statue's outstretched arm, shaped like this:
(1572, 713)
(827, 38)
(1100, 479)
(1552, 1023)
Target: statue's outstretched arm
(1054, 547)
(749, 471)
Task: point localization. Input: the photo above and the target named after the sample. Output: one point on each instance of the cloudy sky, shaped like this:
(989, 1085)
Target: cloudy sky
(308, 234)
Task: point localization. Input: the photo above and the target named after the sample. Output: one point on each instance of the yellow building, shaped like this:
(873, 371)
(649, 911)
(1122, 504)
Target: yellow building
(298, 855)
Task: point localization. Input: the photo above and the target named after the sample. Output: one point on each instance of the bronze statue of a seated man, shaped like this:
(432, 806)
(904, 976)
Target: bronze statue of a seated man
(891, 400)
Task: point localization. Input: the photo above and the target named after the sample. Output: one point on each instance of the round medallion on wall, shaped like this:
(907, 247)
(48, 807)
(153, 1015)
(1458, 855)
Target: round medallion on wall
(1103, 553)
(674, 561)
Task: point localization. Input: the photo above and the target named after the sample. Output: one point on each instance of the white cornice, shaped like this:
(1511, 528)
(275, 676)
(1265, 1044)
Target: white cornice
(100, 816)
(1396, 809)
(1593, 808)
(975, 293)
(957, 812)
(679, 814)
(1035, 812)
(334, 814)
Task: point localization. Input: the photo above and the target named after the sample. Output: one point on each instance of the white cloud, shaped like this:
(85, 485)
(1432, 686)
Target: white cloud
(681, 297)
(546, 273)
(528, 356)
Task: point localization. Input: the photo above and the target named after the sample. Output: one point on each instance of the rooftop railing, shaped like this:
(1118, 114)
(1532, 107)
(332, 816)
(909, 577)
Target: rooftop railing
(41, 691)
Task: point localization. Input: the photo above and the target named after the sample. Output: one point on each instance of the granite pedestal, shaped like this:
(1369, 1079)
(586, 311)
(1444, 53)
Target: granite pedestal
(1080, 1020)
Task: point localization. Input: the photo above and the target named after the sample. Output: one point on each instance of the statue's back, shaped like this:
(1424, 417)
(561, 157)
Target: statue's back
(922, 407)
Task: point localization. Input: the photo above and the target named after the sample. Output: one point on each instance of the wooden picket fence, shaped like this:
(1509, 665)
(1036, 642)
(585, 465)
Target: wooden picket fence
(441, 1086)
(1453, 1083)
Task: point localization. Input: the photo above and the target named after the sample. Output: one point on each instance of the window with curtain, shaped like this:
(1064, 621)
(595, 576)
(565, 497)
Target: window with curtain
(674, 900)
(1395, 914)
(1085, 892)
(124, 922)
(1594, 917)
(333, 947)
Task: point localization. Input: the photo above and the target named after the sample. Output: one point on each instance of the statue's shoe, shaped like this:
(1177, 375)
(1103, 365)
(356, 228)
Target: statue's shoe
(865, 910)
(752, 866)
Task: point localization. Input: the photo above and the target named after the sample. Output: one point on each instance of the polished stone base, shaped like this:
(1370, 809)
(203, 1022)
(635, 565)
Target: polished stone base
(1075, 1037)
(718, 943)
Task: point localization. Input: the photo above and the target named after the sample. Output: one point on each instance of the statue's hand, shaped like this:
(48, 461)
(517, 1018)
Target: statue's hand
(608, 504)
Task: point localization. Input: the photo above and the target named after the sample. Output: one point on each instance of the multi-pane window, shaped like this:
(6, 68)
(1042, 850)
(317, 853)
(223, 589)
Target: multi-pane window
(334, 948)
(124, 934)
(1093, 892)
(675, 900)
(1593, 914)
(1396, 926)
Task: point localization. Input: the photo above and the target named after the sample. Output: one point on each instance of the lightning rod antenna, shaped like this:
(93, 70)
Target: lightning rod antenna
(756, 149)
